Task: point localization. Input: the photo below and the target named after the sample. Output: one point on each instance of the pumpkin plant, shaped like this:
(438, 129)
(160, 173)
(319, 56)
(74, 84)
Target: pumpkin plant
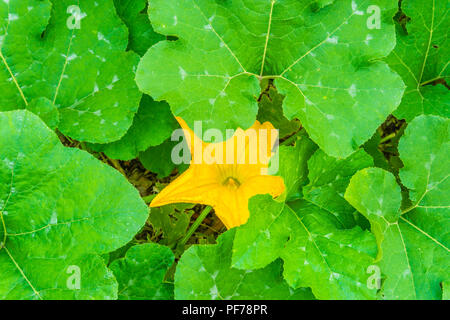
(320, 170)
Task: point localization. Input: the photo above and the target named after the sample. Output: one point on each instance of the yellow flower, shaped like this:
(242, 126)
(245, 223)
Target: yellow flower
(235, 171)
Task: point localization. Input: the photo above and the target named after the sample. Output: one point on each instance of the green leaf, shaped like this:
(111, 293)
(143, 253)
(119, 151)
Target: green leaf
(58, 207)
(425, 152)
(172, 221)
(159, 159)
(414, 242)
(317, 253)
(141, 273)
(46, 110)
(271, 109)
(375, 193)
(414, 246)
(325, 62)
(97, 282)
(118, 253)
(84, 72)
(328, 179)
(293, 165)
(372, 148)
(421, 57)
(322, 3)
(445, 290)
(141, 34)
(152, 125)
(205, 272)
(154, 121)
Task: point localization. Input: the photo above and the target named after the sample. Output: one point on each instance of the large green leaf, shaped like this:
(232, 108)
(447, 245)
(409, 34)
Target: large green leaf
(425, 152)
(58, 207)
(152, 125)
(50, 278)
(325, 61)
(317, 253)
(141, 273)
(293, 165)
(414, 246)
(328, 179)
(154, 121)
(445, 290)
(205, 272)
(415, 241)
(422, 56)
(80, 69)
(141, 33)
(159, 159)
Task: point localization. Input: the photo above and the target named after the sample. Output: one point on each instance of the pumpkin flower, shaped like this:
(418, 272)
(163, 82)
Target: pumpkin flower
(227, 174)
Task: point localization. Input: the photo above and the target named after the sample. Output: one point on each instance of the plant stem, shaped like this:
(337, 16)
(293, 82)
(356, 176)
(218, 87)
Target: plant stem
(431, 81)
(291, 139)
(389, 137)
(116, 165)
(195, 225)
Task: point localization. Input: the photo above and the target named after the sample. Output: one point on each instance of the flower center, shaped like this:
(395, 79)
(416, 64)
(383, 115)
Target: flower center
(231, 182)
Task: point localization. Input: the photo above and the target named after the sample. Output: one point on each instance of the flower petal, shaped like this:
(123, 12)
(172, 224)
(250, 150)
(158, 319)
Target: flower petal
(232, 208)
(195, 185)
(263, 184)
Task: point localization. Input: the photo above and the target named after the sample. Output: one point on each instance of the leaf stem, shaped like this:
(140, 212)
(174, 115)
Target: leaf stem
(195, 225)
(114, 163)
(389, 137)
(430, 81)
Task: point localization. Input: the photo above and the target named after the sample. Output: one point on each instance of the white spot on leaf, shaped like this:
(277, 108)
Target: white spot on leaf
(333, 40)
(101, 37)
(183, 73)
(12, 17)
(352, 90)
